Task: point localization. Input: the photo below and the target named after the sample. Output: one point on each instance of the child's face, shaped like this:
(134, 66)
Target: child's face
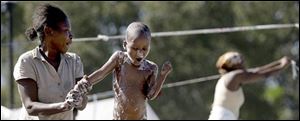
(137, 49)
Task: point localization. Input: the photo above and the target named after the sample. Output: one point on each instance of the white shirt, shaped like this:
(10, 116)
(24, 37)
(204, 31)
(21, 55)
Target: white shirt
(231, 100)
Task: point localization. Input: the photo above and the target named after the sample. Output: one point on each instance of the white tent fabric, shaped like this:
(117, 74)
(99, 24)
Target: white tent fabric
(10, 114)
(103, 110)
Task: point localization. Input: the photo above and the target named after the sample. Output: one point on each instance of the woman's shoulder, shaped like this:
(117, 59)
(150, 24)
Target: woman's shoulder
(71, 55)
(28, 55)
(233, 74)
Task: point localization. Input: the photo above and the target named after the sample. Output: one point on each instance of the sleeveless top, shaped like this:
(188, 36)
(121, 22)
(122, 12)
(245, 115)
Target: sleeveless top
(231, 100)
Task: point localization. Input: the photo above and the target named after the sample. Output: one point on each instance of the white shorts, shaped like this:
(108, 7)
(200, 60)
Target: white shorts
(221, 113)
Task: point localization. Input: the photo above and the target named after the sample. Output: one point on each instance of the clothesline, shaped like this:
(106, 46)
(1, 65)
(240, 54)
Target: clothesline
(193, 32)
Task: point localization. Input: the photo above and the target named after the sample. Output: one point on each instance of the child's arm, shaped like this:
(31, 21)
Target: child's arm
(86, 82)
(84, 98)
(107, 68)
(156, 82)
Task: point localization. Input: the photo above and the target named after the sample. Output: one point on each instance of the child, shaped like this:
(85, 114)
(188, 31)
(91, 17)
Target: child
(135, 78)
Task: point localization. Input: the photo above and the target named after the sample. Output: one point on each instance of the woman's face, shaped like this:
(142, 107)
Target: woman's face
(62, 38)
(234, 60)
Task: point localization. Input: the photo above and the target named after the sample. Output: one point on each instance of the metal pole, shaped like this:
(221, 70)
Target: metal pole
(10, 12)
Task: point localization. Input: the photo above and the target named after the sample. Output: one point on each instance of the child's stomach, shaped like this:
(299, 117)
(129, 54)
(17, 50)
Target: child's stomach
(130, 105)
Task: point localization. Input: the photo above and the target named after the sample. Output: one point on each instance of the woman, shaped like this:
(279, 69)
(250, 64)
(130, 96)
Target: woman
(229, 95)
(46, 74)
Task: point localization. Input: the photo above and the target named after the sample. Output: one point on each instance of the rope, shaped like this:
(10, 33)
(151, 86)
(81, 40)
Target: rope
(188, 32)
(191, 81)
(193, 32)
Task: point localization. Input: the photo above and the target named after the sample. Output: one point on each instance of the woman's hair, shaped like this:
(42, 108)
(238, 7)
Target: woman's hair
(229, 61)
(45, 15)
(135, 29)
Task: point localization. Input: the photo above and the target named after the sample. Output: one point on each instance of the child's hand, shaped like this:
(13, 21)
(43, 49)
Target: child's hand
(83, 86)
(166, 69)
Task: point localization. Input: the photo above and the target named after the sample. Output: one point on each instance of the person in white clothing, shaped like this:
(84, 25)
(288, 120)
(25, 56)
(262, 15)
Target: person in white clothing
(229, 96)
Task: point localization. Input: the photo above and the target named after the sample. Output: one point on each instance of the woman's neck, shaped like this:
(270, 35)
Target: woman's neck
(50, 54)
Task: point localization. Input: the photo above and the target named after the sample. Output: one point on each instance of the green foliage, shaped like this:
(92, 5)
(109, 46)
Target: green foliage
(273, 94)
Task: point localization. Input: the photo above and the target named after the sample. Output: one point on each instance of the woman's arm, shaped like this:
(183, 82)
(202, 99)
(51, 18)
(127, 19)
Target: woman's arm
(29, 95)
(252, 75)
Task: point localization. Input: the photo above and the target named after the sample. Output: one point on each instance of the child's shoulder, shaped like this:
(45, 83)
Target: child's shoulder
(119, 54)
(148, 65)
(120, 57)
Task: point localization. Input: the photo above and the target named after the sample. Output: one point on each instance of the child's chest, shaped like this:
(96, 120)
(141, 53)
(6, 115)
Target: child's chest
(131, 76)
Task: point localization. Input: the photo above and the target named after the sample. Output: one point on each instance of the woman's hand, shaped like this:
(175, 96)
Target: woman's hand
(74, 98)
(285, 61)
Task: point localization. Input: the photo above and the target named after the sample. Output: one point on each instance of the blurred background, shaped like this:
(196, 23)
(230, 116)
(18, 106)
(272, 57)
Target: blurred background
(192, 56)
